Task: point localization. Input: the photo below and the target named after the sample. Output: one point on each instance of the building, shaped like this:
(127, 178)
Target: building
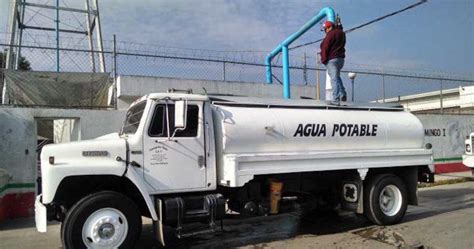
(448, 120)
(450, 101)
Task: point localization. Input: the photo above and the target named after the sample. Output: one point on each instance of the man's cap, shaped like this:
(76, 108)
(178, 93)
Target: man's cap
(327, 24)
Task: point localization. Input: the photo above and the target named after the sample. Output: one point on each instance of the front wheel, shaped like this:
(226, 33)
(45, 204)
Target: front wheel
(385, 199)
(102, 220)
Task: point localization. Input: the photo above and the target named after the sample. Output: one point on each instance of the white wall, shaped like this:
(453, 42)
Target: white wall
(66, 130)
(130, 88)
(447, 133)
(18, 134)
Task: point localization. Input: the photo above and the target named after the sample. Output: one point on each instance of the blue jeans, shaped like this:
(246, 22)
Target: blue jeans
(334, 67)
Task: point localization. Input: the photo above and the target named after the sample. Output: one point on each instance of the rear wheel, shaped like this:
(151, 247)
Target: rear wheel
(385, 199)
(102, 220)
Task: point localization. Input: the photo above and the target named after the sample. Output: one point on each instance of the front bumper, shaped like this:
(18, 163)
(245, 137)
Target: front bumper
(468, 160)
(40, 215)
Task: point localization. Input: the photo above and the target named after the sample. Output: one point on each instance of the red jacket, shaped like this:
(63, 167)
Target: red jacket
(333, 45)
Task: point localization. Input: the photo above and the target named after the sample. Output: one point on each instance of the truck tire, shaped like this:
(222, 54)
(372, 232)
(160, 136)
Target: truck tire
(102, 220)
(385, 199)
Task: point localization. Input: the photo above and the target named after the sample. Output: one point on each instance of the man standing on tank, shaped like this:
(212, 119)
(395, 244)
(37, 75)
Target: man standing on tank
(332, 56)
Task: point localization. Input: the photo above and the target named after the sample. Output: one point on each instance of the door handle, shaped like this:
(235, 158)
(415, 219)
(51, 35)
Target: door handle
(201, 161)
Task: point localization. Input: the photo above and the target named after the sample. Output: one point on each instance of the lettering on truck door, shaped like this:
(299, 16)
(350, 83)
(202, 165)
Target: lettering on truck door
(174, 163)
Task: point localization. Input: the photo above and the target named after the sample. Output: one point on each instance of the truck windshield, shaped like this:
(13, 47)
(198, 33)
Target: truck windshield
(132, 120)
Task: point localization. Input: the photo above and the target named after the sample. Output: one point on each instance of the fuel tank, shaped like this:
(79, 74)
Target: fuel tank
(265, 128)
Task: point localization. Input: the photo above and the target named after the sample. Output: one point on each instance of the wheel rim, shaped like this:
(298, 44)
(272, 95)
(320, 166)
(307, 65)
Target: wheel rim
(390, 200)
(105, 228)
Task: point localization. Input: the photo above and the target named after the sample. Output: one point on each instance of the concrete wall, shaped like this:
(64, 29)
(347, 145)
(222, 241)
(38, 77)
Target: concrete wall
(18, 136)
(130, 88)
(447, 134)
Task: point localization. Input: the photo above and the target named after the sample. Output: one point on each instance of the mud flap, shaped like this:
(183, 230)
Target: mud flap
(158, 224)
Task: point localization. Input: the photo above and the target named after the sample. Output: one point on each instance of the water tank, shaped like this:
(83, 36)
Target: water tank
(272, 129)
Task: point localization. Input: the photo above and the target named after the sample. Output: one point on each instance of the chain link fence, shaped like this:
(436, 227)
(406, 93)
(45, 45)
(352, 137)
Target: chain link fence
(370, 84)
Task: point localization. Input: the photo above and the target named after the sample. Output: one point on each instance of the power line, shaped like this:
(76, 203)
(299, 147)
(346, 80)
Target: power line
(367, 23)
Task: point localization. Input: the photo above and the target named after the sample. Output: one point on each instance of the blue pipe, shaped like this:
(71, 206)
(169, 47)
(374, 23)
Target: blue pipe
(286, 72)
(327, 12)
(268, 62)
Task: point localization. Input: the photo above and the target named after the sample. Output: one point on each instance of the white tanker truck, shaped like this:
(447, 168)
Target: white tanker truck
(468, 157)
(185, 158)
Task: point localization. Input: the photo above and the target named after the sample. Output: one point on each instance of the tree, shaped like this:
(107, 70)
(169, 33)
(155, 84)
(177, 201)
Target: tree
(24, 64)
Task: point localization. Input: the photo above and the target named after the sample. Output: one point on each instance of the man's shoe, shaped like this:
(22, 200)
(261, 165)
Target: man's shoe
(338, 103)
(344, 98)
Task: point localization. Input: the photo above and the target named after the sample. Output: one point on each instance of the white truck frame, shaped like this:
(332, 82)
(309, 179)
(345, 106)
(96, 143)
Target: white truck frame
(186, 167)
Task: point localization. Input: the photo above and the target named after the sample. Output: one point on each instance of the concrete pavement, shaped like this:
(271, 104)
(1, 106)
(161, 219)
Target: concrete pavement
(455, 175)
(444, 219)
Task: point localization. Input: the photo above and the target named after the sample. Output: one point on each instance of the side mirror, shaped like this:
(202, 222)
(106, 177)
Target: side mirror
(180, 114)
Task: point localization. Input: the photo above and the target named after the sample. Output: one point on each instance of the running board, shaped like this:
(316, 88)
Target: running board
(182, 235)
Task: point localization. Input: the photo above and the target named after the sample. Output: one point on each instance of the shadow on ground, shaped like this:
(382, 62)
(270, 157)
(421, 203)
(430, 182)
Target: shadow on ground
(285, 226)
(241, 232)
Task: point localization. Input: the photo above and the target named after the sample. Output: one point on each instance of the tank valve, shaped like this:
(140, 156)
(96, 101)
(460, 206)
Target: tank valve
(275, 195)
(269, 129)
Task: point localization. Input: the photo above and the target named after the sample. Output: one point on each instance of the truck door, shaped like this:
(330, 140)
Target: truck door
(175, 163)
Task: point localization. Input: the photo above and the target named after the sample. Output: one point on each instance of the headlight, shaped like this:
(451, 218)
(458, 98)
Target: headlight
(468, 148)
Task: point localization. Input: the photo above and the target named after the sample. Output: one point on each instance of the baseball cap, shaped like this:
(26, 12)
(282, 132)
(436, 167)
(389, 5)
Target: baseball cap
(327, 24)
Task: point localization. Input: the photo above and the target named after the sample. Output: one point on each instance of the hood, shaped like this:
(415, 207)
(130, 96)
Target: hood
(109, 136)
(96, 152)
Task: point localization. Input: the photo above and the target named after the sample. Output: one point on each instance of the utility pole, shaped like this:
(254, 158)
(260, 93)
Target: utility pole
(383, 88)
(57, 36)
(90, 34)
(441, 96)
(115, 74)
(318, 85)
(9, 63)
(318, 82)
(305, 71)
(352, 76)
(21, 16)
(99, 38)
(13, 28)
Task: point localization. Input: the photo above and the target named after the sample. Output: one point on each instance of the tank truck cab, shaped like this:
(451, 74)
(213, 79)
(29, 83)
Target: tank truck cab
(183, 159)
(175, 136)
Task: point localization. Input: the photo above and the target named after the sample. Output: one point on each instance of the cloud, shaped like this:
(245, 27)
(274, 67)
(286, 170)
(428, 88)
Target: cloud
(203, 24)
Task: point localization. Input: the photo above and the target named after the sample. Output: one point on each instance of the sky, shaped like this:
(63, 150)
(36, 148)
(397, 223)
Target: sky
(436, 36)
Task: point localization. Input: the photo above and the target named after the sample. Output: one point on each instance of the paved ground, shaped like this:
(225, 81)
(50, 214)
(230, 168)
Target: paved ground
(454, 175)
(444, 219)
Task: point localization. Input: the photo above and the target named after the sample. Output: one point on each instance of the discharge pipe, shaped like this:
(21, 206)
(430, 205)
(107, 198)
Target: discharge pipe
(327, 12)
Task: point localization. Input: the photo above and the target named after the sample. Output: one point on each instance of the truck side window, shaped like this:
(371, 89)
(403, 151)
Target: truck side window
(158, 125)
